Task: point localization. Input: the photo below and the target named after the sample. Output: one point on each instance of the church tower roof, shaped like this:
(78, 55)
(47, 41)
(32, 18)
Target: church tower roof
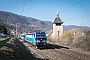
(57, 19)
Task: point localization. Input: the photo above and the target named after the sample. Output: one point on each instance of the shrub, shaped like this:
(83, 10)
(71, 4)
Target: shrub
(70, 33)
(83, 42)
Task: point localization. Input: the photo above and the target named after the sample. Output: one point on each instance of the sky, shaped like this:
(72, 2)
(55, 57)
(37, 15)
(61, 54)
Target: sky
(71, 12)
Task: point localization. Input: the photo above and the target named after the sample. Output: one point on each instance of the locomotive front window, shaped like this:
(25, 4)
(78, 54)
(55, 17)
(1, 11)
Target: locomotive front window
(40, 35)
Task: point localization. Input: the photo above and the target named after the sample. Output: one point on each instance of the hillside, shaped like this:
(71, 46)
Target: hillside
(23, 23)
(28, 23)
(73, 26)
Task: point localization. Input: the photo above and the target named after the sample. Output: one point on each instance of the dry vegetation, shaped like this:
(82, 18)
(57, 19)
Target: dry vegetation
(12, 49)
(74, 38)
(70, 33)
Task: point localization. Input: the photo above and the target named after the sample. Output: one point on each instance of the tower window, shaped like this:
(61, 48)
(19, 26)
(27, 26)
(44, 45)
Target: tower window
(58, 33)
(58, 24)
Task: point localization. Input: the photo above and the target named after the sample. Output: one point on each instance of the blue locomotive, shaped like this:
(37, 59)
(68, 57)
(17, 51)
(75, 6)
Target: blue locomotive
(36, 38)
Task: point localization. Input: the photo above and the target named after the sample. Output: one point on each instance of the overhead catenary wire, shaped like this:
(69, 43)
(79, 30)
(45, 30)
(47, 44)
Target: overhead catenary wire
(16, 6)
(58, 6)
(29, 6)
(88, 13)
(23, 6)
(67, 8)
(63, 3)
(72, 5)
(23, 10)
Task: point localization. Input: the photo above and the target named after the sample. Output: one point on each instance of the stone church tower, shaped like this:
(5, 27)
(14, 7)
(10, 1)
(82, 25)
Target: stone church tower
(57, 26)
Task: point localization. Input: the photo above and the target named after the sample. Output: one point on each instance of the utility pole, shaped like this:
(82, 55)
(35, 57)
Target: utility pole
(16, 30)
(83, 28)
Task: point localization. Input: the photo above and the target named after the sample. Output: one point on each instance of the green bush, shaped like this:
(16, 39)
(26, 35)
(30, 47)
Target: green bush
(3, 29)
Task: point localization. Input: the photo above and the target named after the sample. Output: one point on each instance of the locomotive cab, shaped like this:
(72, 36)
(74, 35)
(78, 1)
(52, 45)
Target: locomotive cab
(37, 38)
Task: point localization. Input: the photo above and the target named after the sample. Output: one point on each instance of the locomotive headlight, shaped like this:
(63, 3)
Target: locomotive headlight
(43, 40)
(38, 41)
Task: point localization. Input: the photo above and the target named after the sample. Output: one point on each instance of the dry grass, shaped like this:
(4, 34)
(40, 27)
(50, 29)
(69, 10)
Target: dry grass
(85, 42)
(70, 33)
(74, 38)
(12, 49)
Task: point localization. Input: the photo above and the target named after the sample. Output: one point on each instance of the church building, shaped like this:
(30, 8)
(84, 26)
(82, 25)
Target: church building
(57, 26)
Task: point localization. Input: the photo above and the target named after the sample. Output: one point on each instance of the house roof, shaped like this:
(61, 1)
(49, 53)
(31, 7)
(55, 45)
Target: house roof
(57, 20)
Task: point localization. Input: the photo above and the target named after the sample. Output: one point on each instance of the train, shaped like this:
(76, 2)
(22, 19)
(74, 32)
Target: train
(38, 39)
(21, 36)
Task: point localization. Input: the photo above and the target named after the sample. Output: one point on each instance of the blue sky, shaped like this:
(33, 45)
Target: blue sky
(71, 11)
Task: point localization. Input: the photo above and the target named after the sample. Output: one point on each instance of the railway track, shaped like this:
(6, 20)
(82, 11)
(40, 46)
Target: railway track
(54, 52)
(65, 55)
(77, 55)
(37, 52)
(70, 54)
